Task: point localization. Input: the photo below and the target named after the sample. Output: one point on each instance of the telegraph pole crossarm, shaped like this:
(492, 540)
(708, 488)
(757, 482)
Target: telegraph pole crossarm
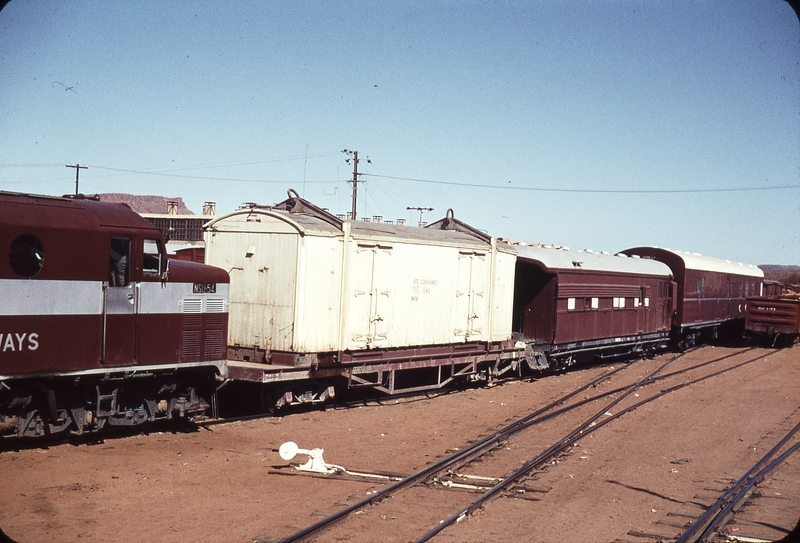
(355, 159)
(421, 210)
(78, 169)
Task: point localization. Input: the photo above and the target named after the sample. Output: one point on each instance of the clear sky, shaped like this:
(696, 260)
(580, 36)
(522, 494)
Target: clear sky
(589, 124)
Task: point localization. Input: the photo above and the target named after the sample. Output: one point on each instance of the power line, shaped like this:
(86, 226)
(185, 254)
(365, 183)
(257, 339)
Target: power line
(206, 178)
(587, 191)
(415, 180)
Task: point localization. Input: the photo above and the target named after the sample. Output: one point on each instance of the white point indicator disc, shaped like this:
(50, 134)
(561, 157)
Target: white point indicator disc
(288, 450)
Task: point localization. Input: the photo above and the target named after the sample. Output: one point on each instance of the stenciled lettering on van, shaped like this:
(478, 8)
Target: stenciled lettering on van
(15, 342)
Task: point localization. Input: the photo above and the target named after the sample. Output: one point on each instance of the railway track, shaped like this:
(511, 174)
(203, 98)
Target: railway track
(756, 507)
(449, 468)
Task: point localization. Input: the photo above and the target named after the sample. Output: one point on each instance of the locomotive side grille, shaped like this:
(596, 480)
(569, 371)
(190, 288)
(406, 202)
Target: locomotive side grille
(192, 332)
(215, 305)
(215, 344)
(215, 321)
(190, 348)
(192, 321)
(193, 305)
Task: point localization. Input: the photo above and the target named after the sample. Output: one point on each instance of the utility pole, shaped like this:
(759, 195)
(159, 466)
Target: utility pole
(421, 210)
(78, 169)
(355, 159)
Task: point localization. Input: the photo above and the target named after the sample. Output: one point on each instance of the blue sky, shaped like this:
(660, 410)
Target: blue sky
(590, 124)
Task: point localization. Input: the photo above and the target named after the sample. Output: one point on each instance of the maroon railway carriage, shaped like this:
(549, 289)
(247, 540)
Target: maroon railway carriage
(712, 293)
(573, 306)
(96, 325)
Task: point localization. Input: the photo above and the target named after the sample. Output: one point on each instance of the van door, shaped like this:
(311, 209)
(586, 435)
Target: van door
(471, 303)
(371, 295)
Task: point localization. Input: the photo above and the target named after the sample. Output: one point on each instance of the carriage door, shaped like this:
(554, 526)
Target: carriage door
(471, 297)
(642, 305)
(371, 295)
(119, 311)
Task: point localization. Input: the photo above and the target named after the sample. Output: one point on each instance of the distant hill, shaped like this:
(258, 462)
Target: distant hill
(146, 204)
(784, 274)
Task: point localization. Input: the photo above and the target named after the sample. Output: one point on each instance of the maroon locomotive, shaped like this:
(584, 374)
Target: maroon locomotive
(711, 293)
(97, 326)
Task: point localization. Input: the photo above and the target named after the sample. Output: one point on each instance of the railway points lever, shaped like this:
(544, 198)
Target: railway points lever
(315, 462)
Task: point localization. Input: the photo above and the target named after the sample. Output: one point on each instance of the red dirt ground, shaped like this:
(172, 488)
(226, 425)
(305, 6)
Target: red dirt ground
(216, 485)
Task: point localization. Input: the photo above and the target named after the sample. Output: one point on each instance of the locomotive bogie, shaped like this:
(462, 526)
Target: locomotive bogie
(85, 404)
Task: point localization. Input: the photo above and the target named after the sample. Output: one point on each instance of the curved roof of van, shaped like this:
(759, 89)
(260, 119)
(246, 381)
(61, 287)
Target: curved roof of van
(267, 220)
(696, 261)
(561, 258)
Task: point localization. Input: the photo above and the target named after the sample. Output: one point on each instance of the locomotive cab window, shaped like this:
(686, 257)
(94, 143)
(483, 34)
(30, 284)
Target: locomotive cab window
(120, 256)
(154, 260)
(26, 255)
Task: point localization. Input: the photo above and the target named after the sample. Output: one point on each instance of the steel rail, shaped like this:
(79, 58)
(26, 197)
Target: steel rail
(538, 460)
(538, 417)
(719, 511)
(436, 467)
(582, 430)
(480, 447)
(437, 393)
(345, 404)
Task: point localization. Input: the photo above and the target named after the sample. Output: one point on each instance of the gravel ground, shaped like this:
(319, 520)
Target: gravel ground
(221, 483)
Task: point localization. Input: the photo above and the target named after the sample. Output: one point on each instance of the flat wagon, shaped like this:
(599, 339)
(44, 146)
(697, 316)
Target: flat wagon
(316, 300)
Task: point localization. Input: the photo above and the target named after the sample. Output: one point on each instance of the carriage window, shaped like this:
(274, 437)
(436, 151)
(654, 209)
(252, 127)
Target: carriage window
(701, 287)
(120, 256)
(152, 258)
(26, 255)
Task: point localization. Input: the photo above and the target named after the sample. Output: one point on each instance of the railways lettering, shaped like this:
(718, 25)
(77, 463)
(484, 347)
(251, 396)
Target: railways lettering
(136, 337)
(16, 342)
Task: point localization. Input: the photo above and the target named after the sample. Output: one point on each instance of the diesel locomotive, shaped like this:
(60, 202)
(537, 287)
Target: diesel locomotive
(97, 326)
